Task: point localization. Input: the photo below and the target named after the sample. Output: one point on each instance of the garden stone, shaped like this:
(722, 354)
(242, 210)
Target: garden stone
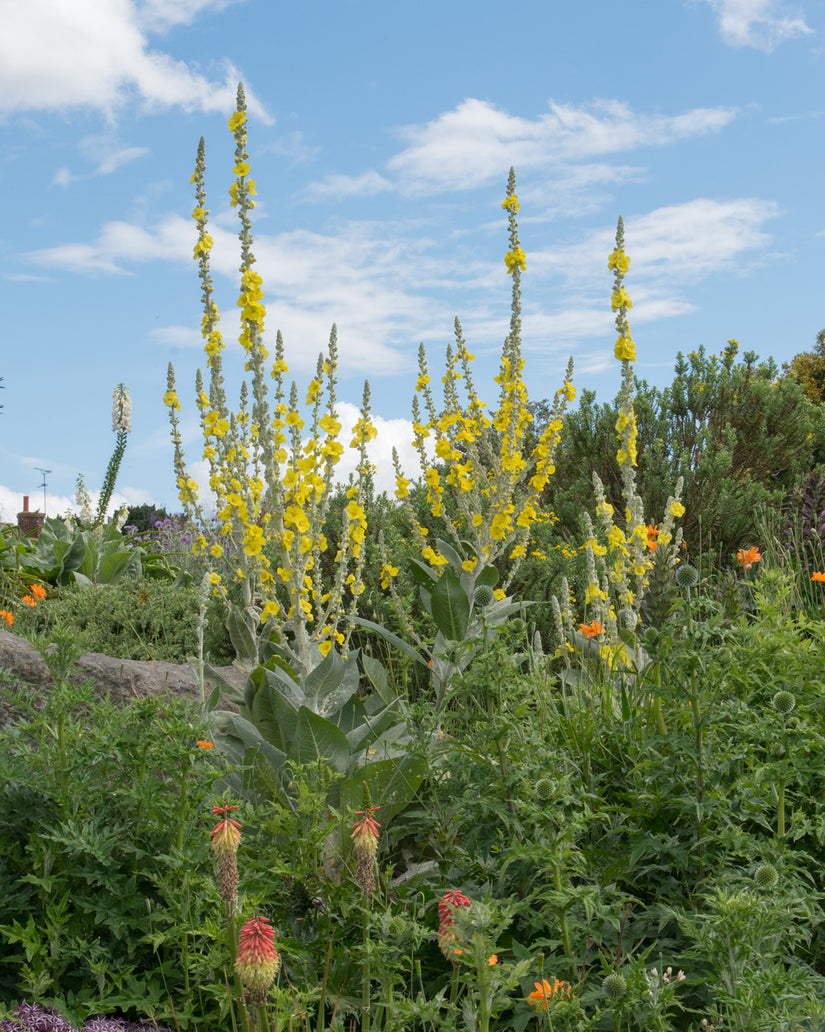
(120, 679)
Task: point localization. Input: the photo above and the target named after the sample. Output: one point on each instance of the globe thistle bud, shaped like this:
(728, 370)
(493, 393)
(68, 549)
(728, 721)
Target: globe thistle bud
(783, 703)
(545, 789)
(687, 576)
(483, 596)
(257, 962)
(614, 986)
(765, 876)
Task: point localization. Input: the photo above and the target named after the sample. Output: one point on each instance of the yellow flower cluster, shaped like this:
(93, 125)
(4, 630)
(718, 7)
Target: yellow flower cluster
(271, 486)
(619, 558)
(484, 464)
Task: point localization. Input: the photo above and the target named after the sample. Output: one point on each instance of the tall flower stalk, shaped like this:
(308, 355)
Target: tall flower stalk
(271, 484)
(619, 556)
(482, 474)
(121, 427)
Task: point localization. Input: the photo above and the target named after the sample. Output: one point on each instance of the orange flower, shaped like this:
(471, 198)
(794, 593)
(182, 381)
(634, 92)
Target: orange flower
(492, 960)
(365, 844)
(748, 556)
(7, 616)
(38, 591)
(29, 601)
(817, 576)
(205, 745)
(258, 961)
(545, 992)
(652, 534)
(591, 630)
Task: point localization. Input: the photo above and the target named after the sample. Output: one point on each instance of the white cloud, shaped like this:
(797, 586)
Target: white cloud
(294, 147)
(105, 154)
(471, 145)
(762, 24)
(11, 502)
(57, 54)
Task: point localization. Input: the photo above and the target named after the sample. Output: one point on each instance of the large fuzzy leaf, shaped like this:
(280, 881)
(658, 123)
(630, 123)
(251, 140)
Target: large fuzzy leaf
(319, 739)
(450, 607)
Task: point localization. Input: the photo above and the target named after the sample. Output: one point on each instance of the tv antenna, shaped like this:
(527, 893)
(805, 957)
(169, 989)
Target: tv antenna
(43, 485)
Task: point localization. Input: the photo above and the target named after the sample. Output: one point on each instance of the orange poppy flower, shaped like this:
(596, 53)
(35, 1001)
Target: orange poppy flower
(817, 576)
(591, 630)
(748, 556)
(652, 534)
(545, 992)
(29, 601)
(38, 591)
(7, 616)
(205, 745)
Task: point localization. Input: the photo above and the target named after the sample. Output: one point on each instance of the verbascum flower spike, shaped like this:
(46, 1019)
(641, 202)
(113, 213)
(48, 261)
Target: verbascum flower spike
(272, 487)
(226, 837)
(481, 469)
(258, 961)
(448, 940)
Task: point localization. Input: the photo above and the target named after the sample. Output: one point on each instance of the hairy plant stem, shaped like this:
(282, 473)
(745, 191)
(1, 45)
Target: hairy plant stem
(565, 931)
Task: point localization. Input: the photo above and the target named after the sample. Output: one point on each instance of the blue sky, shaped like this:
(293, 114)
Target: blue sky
(380, 137)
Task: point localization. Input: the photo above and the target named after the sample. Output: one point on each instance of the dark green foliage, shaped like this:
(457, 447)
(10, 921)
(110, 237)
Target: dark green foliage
(809, 369)
(139, 618)
(144, 517)
(98, 900)
(738, 433)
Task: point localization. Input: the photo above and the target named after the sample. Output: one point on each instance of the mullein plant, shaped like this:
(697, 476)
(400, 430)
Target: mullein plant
(481, 474)
(271, 485)
(620, 558)
(480, 477)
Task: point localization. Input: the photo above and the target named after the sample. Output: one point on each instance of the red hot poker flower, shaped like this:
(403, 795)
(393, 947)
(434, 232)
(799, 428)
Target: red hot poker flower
(226, 837)
(258, 962)
(365, 842)
(451, 901)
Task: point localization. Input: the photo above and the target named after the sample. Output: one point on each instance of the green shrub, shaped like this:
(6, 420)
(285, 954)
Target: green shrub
(139, 618)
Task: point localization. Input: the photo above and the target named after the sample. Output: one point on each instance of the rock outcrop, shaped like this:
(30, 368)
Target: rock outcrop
(120, 679)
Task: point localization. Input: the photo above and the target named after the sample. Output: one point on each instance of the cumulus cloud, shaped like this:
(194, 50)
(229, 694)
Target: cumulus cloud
(469, 146)
(58, 54)
(762, 24)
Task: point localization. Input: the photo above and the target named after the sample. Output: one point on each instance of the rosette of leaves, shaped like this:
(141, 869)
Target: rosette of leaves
(65, 555)
(286, 719)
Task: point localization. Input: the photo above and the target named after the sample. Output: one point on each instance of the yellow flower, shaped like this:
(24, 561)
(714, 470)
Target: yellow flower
(618, 260)
(677, 509)
(236, 120)
(241, 169)
(515, 258)
(170, 400)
